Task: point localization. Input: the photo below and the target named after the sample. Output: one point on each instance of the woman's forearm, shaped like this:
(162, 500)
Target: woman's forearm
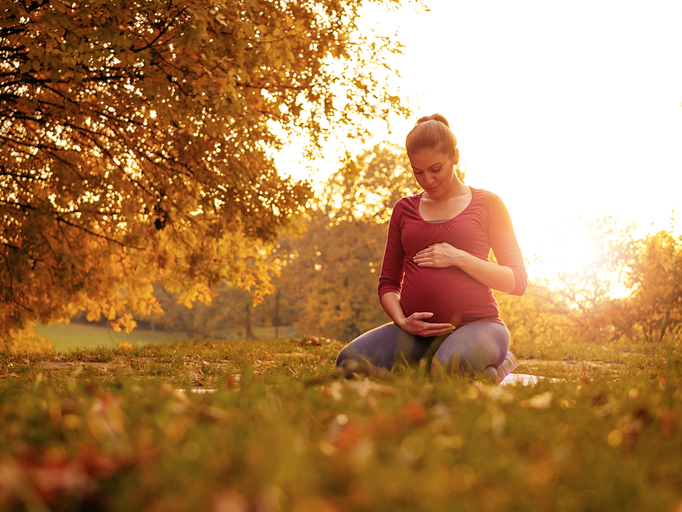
(489, 274)
(390, 303)
(443, 255)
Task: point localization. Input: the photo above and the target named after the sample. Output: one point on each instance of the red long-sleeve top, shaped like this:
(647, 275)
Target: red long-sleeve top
(449, 293)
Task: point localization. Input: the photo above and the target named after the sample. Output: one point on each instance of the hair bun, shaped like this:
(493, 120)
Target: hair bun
(432, 132)
(434, 117)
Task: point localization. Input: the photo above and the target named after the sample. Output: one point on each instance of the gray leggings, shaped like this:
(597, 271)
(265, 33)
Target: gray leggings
(474, 347)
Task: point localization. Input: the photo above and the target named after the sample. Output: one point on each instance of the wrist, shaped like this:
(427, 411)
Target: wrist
(459, 259)
(400, 322)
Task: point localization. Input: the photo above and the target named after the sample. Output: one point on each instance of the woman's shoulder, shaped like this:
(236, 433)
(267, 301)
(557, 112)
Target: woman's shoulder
(486, 197)
(489, 205)
(483, 194)
(408, 202)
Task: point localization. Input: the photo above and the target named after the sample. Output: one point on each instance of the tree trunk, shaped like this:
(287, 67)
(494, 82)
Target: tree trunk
(248, 332)
(276, 319)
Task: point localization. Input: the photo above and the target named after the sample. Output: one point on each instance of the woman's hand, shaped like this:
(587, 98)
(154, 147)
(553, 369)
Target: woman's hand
(439, 255)
(444, 255)
(415, 324)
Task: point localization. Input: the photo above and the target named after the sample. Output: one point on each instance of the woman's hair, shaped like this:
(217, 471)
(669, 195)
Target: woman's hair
(432, 132)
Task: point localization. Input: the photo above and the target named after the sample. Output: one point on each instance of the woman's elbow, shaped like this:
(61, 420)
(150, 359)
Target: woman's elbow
(520, 283)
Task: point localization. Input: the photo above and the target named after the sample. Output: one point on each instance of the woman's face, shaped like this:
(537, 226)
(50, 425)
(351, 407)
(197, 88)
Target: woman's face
(434, 171)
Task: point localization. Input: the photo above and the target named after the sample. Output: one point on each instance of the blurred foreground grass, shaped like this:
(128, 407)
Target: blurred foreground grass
(109, 430)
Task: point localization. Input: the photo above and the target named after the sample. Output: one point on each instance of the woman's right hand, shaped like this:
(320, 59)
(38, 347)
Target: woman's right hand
(415, 324)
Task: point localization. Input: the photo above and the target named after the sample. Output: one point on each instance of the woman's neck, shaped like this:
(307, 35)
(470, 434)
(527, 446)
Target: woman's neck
(446, 206)
(456, 190)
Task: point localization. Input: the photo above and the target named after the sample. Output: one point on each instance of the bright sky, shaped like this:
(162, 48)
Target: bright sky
(561, 108)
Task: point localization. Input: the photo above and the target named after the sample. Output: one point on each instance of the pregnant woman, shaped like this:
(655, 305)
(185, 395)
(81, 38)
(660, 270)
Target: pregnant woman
(436, 278)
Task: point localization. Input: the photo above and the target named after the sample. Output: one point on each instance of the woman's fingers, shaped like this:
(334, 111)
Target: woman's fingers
(441, 326)
(436, 329)
(416, 325)
(437, 255)
(421, 315)
(423, 254)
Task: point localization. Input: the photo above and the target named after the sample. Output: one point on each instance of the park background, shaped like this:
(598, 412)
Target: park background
(198, 298)
(571, 113)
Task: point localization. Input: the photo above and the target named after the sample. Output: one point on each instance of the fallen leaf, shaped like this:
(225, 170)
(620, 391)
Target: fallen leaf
(668, 420)
(415, 413)
(541, 401)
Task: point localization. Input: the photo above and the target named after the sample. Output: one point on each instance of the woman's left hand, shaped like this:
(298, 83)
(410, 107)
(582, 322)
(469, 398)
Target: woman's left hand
(439, 255)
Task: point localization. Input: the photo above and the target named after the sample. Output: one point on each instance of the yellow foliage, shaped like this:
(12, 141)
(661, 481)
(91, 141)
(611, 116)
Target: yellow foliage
(25, 340)
(124, 168)
(126, 322)
(125, 345)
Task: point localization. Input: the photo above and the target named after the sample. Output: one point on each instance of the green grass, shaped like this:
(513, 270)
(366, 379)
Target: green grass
(109, 430)
(70, 337)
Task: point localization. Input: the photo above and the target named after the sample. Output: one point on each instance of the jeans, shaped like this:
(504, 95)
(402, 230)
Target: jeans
(474, 347)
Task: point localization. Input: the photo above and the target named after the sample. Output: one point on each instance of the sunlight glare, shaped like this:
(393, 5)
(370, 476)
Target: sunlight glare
(574, 251)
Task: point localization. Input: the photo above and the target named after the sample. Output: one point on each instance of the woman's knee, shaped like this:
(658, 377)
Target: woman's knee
(376, 346)
(472, 348)
(452, 362)
(343, 355)
(346, 354)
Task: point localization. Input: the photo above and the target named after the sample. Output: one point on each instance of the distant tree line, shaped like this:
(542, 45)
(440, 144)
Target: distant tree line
(632, 289)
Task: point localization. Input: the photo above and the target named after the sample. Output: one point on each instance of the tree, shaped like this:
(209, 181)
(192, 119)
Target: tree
(136, 143)
(535, 317)
(334, 277)
(366, 187)
(632, 289)
(587, 296)
(337, 273)
(654, 309)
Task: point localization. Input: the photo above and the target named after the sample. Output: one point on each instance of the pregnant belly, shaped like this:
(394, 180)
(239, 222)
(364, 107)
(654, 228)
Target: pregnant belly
(449, 293)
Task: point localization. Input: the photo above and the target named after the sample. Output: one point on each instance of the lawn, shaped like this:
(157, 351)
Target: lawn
(277, 429)
(75, 336)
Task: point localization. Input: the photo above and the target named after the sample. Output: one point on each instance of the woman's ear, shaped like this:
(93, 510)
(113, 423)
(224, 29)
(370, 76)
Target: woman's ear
(456, 156)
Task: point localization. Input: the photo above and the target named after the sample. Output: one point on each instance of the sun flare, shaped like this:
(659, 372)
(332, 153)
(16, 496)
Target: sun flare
(571, 249)
(575, 251)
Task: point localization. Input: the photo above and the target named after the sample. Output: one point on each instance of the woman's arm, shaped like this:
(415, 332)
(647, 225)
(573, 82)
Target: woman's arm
(413, 324)
(444, 255)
